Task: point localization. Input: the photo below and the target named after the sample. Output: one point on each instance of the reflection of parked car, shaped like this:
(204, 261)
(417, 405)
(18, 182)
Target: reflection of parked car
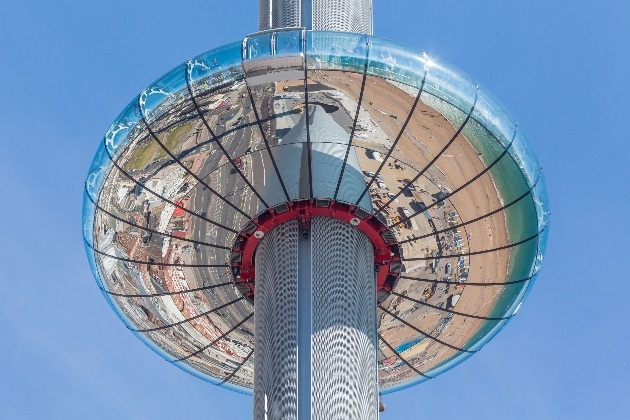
(440, 197)
(406, 192)
(406, 215)
(407, 183)
(374, 155)
(418, 206)
(372, 175)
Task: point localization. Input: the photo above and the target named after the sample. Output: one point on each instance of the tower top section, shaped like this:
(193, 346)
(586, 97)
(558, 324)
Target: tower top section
(330, 15)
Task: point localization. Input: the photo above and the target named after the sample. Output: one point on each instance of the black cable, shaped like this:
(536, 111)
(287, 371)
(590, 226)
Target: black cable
(191, 173)
(225, 153)
(448, 310)
(457, 283)
(217, 340)
(231, 375)
(476, 219)
(264, 136)
(356, 119)
(156, 231)
(153, 262)
(436, 157)
(412, 367)
(473, 179)
(138, 183)
(468, 254)
(423, 333)
(188, 319)
(181, 292)
(391, 150)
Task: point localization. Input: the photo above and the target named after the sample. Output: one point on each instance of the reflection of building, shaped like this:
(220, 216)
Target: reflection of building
(328, 148)
(378, 208)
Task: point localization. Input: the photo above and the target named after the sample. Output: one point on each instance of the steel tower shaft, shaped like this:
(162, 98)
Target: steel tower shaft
(331, 15)
(315, 327)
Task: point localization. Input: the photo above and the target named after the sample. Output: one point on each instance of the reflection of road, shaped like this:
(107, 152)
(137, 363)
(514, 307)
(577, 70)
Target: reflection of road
(226, 180)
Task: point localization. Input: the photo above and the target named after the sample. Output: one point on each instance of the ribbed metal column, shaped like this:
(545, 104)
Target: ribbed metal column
(344, 379)
(329, 15)
(275, 325)
(315, 327)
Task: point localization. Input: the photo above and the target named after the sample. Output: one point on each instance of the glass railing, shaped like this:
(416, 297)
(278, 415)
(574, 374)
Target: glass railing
(273, 43)
(125, 128)
(216, 68)
(164, 94)
(336, 51)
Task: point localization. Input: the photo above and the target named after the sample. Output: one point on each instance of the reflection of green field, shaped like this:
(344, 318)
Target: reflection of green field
(143, 154)
(171, 140)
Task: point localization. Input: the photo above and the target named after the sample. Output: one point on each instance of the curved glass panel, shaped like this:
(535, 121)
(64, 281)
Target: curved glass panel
(289, 42)
(164, 94)
(98, 170)
(124, 129)
(215, 68)
(529, 289)
(542, 248)
(541, 199)
(336, 50)
(258, 47)
(449, 364)
(434, 157)
(494, 116)
(486, 334)
(88, 220)
(450, 83)
(523, 154)
(392, 61)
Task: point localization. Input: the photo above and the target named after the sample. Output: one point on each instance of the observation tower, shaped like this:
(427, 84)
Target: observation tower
(314, 215)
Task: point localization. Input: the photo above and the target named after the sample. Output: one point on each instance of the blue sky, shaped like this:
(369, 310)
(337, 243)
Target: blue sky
(69, 67)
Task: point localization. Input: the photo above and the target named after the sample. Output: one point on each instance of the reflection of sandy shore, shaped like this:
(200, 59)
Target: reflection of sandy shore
(427, 133)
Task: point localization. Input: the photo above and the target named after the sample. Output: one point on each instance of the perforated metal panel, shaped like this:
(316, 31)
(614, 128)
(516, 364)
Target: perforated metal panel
(343, 15)
(331, 15)
(343, 382)
(275, 368)
(278, 14)
(344, 377)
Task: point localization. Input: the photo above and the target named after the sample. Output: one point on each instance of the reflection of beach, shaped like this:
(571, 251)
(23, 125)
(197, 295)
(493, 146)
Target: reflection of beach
(461, 164)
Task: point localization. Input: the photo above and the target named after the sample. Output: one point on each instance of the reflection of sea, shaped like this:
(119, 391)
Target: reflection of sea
(408, 345)
(521, 222)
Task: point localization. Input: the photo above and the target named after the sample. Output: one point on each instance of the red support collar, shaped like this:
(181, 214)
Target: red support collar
(387, 261)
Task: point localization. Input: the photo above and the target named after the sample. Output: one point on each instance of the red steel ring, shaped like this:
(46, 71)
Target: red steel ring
(387, 260)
